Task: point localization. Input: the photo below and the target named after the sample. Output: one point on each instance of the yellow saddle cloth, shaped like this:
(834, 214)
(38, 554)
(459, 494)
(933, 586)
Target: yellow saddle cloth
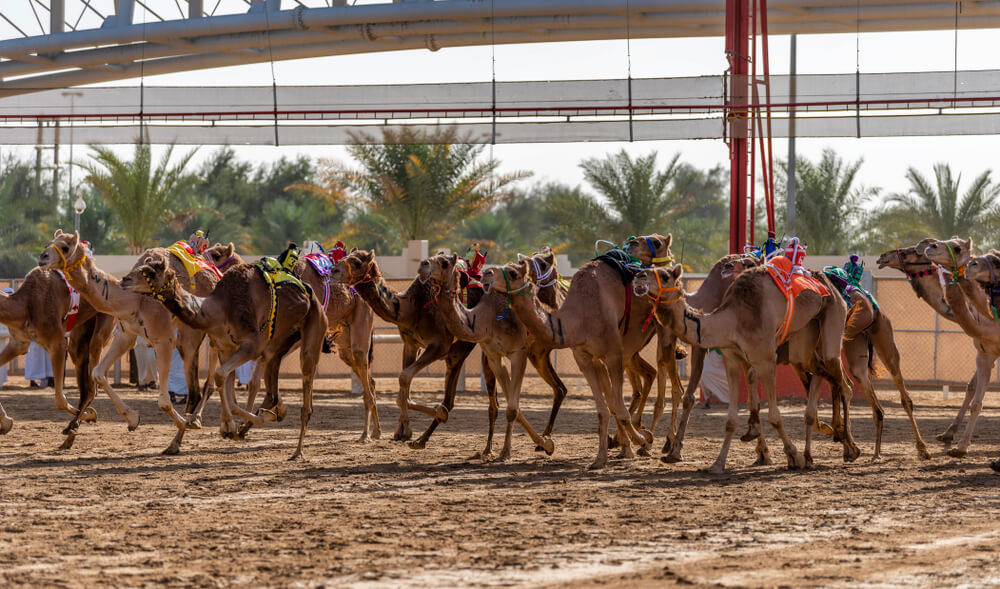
(276, 276)
(192, 263)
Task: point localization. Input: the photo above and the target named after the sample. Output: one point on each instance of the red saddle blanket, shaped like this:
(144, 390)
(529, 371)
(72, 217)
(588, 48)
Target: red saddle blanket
(790, 285)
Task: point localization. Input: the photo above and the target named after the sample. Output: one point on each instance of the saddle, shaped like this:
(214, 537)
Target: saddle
(192, 262)
(622, 263)
(323, 267)
(276, 276)
(844, 286)
(791, 281)
(69, 320)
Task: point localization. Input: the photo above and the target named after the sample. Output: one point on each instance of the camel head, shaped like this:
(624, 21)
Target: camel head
(357, 266)
(541, 266)
(510, 278)
(62, 252)
(652, 249)
(735, 266)
(659, 283)
(984, 269)
(153, 278)
(223, 256)
(439, 269)
(952, 254)
(902, 258)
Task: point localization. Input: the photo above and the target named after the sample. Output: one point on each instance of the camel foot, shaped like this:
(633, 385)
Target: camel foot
(796, 461)
(280, 411)
(626, 453)
(6, 424)
(132, 419)
(995, 465)
(716, 468)
(675, 455)
(402, 434)
(89, 415)
(644, 451)
(598, 464)
(548, 446)
(68, 442)
(268, 415)
(823, 428)
(298, 455)
(70, 430)
(807, 456)
(957, 452)
(752, 434)
(365, 438)
(667, 446)
(418, 444)
(851, 453)
(922, 453)
(946, 437)
(193, 422)
(484, 456)
(646, 436)
(441, 413)
(377, 434)
(763, 459)
(876, 459)
(612, 442)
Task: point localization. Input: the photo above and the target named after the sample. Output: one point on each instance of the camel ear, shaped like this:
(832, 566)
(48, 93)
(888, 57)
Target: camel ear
(676, 272)
(367, 255)
(353, 249)
(968, 244)
(669, 239)
(454, 259)
(57, 233)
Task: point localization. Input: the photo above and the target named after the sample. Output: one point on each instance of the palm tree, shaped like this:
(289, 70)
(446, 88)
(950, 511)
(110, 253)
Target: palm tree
(423, 185)
(937, 209)
(828, 202)
(141, 196)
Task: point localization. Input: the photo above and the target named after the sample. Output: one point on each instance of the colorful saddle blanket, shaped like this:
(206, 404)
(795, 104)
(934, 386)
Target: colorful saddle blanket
(840, 280)
(74, 304)
(193, 263)
(622, 263)
(323, 267)
(791, 284)
(275, 276)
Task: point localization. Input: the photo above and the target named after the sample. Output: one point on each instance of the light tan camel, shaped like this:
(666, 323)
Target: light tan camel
(965, 296)
(868, 331)
(591, 322)
(136, 315)
(39, 311)
(350, 320)
(985, 270)
(498, 332)
(417, 315)
(245, 321)
(922, 276)
(746, 328)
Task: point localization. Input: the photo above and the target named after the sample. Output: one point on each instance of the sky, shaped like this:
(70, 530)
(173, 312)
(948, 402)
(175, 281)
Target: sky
(885, 159)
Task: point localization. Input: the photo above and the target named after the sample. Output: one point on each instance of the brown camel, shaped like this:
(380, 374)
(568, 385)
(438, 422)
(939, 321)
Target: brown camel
(985, 270)
(498, 332)
(746, 327)
(245, 321)
(868, 331)
(39, 311)
(417, 315)
(136, 316)
(348, 316)
(591, 322)
(922, 276)
(965, 295)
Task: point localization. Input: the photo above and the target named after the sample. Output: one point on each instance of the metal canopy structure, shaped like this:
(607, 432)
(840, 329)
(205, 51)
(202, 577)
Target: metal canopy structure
(91, 41)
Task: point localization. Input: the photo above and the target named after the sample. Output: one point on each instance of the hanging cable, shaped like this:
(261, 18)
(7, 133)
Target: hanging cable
(958, 8)
(857, 70)
(142, 81)
(493, 83)
(628, 58)
(274, 80)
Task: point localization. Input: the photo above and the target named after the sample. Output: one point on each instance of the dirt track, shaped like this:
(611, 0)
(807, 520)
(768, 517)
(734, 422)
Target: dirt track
(113, 511)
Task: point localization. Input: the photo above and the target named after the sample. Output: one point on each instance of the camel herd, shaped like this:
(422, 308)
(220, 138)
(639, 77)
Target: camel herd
(517, 313)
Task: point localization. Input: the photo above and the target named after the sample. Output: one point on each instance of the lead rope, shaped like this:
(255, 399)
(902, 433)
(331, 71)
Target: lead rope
(521, 290)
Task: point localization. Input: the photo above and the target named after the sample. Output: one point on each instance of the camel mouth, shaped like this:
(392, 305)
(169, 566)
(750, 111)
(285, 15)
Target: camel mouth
(423, 279)
(640, 290)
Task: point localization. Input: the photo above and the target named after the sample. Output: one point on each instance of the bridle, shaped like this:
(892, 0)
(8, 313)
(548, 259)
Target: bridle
(226, 263)
(519, 291)
(911, 275)
(656, 300)
(67, 267)
(156, 293)
(368, 277)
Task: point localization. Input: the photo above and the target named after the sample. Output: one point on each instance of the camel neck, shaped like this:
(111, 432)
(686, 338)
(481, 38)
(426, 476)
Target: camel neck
(976, 295)
(976, 325)
(468, 324)
(553, 328)
(188, 308)
(694, 327)
(928, 288)
(382, 299)
(709, 294)
(101, 289)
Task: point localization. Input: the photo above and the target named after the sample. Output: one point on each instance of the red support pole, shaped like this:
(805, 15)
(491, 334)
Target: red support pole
(738, 53)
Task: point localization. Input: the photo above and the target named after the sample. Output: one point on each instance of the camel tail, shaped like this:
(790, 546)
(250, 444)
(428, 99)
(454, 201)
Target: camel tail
(873, 370)
(371, 347)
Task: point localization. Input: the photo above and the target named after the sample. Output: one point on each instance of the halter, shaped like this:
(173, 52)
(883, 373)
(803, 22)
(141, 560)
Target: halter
(911, 275)
(350, 276)
(959, 271)
(521, 290)
(656, 300)
(226, 263)
(665, 260)
(437, 293)
(156, 293)
(67, 268)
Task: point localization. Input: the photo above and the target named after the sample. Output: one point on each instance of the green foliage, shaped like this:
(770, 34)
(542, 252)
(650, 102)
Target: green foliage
(26, 214)
(141, 196)
(937, 207)
(828, 204)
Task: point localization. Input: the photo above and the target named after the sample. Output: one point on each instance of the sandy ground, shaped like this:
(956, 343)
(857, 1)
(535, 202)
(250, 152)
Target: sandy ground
(113, 511)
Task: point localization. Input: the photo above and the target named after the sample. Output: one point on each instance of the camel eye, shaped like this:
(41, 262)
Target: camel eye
(444, 264)
(65, 248)
(656, 243)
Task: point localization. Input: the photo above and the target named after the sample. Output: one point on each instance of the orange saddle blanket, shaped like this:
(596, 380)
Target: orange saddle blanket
(780, 269)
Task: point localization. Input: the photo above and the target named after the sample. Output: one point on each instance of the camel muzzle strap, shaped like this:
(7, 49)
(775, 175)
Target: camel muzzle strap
(521, 290)
(661, 261)
(226, 263)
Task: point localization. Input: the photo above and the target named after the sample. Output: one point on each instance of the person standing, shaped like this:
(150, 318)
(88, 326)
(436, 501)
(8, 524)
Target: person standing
(145, 364)
(38, 367)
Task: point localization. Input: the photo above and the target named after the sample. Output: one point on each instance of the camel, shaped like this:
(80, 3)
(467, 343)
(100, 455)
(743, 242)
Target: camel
(40, 311)
(591, 322)
(921, 274)
(490, 324)
(868, 332)
(136, 316)
(350, 318)
(746, 327)
(417, 314)
(965, 295)
(984, 270)
(245, 321)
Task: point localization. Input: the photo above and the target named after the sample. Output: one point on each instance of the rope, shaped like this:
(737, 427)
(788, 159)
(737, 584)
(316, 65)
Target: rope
(628, 57)
(274, 81)
(493, 83)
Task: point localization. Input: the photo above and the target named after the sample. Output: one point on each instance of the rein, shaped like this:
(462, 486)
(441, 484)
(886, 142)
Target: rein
(368, 277)
(226, 263)
(157, 293)
(521, 290)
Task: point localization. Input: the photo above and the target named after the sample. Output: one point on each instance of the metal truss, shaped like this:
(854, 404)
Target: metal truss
(66, 43)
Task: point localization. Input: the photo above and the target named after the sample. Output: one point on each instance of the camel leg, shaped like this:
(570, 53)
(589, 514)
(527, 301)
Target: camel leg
(12, 350)
(885, 347)
(767, 375)
(667, 368)
(163, 348)
(811, 417)
(493, 405)
(948, 435)
(761, 449)
(672, 448)
(503, 379)
(620, 439)
(120, 345)
(984, 366)
(586, 364)
(85, 343)
(412, 364)
(354, 348)
(734, 376)
(856, 351)
(454, 360)
(512, 395)
(642, 375)
(543, 364)
(614, 364)
(57, 354)
(244, 354)
(493, 411)
(313, 332)
(753, 408)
